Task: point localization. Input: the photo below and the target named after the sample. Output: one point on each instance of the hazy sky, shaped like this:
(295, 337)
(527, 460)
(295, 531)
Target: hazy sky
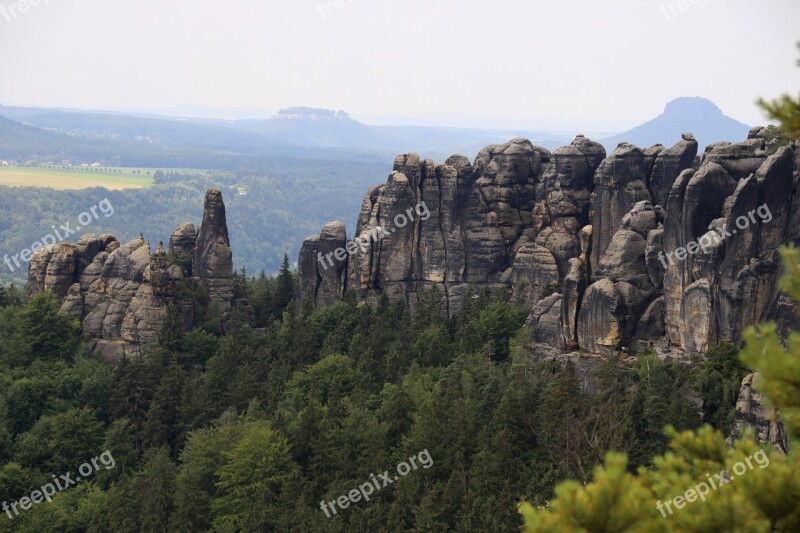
(499, 63)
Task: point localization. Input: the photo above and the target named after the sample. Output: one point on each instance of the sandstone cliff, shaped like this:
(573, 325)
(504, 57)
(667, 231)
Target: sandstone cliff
(657, 248)
(584, 238)
(120, 292)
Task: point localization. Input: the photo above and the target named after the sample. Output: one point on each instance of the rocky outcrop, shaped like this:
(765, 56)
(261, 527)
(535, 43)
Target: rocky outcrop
(624, 289)
(619, 183)
(572, 295)
(751, 413)
(667, 166)
(322, 265)
(738, 159)
(213, 257)
(458, 224)
(534, 272)
(634, 250)
(545, 322)
(601, 321)
(510, 220)
(120, 292)
(181, 245)
(730, 233)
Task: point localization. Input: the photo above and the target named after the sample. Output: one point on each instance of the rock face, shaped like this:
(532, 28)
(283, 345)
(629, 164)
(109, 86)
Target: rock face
(659, 248)
(730, 282)
(668, 165)
(213, 257)
(752, 413)
(545, 322)
(322, 265)
(120, 292)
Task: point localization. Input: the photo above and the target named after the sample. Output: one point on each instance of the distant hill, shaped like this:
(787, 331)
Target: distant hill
(200, 142)
(39, 136)
(22, 142)
(693, 114)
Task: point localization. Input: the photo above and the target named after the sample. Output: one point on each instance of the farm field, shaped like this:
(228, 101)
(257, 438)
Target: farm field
(113, 178)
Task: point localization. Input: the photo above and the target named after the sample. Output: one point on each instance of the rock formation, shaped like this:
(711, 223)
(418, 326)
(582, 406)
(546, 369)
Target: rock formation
(643, 249)
(120, 292)
(752, 413)
(213, 258)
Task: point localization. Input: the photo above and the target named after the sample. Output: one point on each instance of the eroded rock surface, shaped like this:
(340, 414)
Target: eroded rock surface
(120, 292)
(639, 245)
(751, 413)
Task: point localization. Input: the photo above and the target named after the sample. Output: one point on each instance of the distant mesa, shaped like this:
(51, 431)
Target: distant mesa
(699, 115)
(310, 113)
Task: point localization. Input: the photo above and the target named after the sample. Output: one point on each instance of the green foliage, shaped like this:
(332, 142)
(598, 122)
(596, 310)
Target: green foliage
(171, 335)
(240, 287)
(562, 424)
(489, 327)
(258, 485)
(547, 290)
(285, 290)
(38, 331)
(153, 491)
(10, 296)
(251, 429)
(57, 443)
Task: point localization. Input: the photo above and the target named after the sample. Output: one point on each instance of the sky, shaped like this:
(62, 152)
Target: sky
(533, 64)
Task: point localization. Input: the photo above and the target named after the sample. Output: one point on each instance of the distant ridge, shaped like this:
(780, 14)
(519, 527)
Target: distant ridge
(699, 116)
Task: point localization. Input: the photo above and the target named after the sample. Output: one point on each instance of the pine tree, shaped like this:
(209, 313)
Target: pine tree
(259, 483)
(240, 285)
(154, 491)
(171, 335)
(164, 426)
(563, 418)
(122, 513)
(286, 287)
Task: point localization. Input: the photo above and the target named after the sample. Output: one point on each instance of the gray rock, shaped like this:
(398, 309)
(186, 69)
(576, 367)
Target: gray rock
(654, 258)
(73, 302)
(573, 289)
(668, 165)
(545, 322)
(752, 413)
(601, 319)
(533, 272)
(213, 257)
(739, 159)
(182, 243)
(650, 327)
(121, 292)
(619, 184)
(332, 269)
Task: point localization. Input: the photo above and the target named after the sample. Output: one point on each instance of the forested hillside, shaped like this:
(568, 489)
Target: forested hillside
(251, 429)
